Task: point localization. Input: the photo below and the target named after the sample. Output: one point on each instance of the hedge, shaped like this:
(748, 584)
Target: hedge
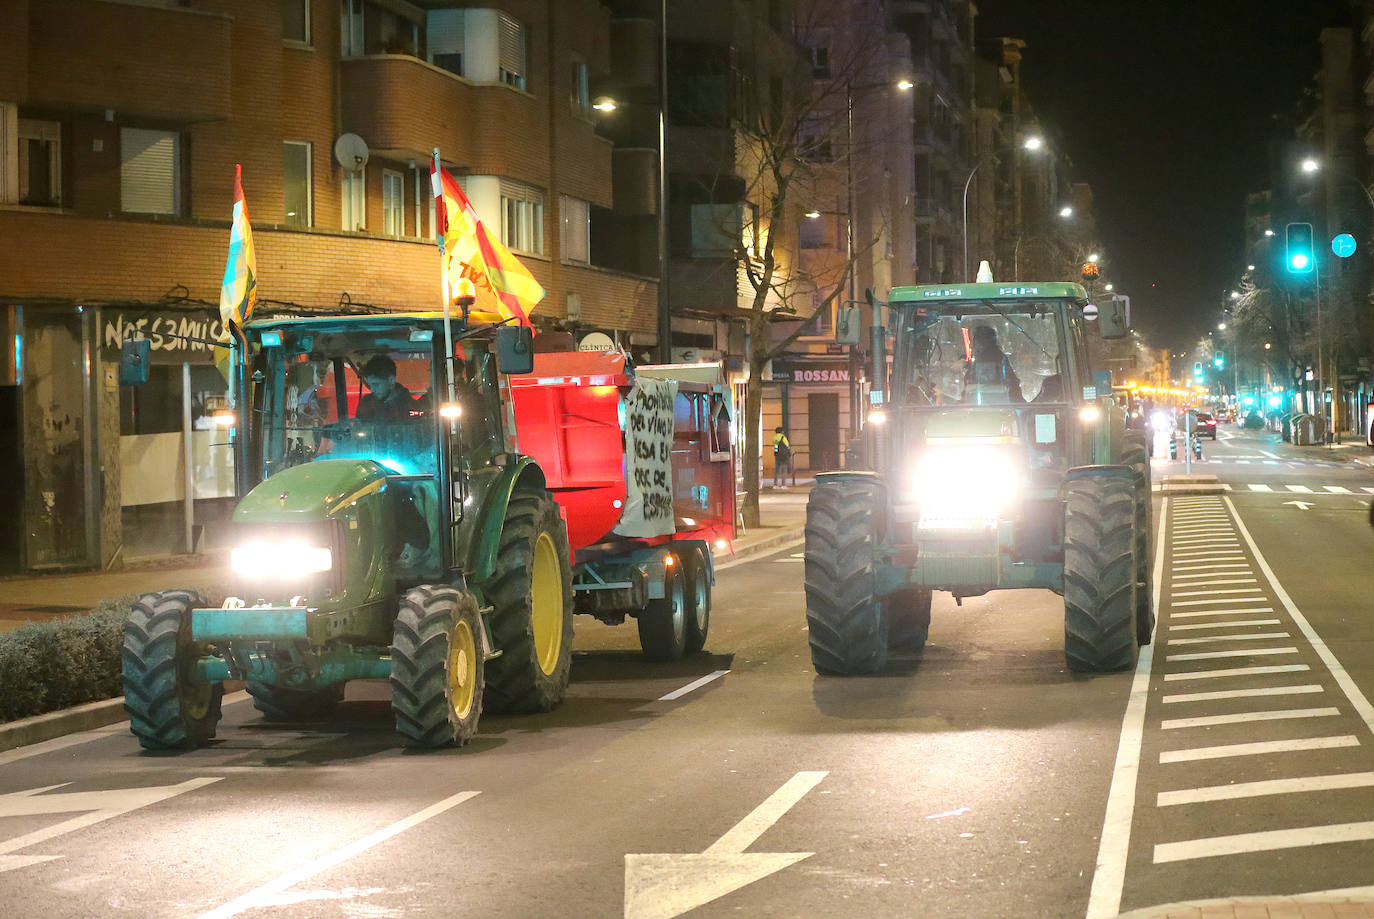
(45, 666)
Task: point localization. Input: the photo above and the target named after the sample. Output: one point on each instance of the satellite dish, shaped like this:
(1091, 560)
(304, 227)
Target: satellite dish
(351, 152)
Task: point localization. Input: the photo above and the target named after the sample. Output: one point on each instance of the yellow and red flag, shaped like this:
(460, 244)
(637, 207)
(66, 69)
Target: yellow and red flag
(505, 287)
(238, 291)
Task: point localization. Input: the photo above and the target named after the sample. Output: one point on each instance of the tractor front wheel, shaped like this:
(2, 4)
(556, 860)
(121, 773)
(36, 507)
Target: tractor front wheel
(1099, 573)
(1138, 458)
(532, 612)
(280, 704)
(167, 711)
(437, 667)
(908, 618)
(846, 625)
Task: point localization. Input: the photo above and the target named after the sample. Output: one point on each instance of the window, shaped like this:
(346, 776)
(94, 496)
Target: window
(40, 162)
(393, 203)
(820, 62)
(297, 183)
(813, 140)
(512, 52)
(579, 93)
(445, 35)
(716, 230)
(150, 171)
(522, 217)
(351, 28)
(422, 186)
(576, 234)
(295, 20)
(815, 232)
(354, 201)
(822, 321)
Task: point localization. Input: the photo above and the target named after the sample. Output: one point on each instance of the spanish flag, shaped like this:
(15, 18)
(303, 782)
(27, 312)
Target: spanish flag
(505, 288)
(239, 289)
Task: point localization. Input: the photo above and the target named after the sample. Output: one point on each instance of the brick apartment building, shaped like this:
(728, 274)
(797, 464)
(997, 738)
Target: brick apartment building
(120, 124)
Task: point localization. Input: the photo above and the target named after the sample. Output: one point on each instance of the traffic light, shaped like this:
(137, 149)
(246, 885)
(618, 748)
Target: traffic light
(1220, 360)
(1197, 368)
(1301, 256)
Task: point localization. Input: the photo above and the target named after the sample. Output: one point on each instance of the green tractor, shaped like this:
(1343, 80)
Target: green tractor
(387, 528)
(999, 461)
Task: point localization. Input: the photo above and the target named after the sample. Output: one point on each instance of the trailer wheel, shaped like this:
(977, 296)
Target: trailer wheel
(663, 624)
(908, 618)
(532, 612)
(437, 667)
(280, 704)
(166, 710)
(1137, 457)
(846, 624)
(1099, 574)
(698, 601)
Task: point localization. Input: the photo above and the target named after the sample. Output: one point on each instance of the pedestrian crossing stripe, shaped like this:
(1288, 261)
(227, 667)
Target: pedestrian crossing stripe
(1308, 490)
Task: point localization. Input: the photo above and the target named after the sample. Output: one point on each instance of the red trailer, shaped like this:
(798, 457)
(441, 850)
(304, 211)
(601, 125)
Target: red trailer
(639, 460)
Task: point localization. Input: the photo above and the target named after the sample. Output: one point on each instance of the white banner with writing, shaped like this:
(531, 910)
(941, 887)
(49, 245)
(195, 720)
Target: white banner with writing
(648, 459)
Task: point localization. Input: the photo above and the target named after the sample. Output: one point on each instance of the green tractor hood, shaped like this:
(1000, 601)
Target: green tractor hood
(312, 491)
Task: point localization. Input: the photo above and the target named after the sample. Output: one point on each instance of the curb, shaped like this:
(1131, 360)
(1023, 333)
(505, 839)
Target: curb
(38, 728)
(764, 545)
(1290, 905)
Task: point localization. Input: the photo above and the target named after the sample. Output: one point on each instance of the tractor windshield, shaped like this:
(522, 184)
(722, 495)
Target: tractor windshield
(980, 353)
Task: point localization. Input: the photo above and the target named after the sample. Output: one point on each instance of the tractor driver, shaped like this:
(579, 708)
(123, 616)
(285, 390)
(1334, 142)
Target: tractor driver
(388, 400)
(990, 369)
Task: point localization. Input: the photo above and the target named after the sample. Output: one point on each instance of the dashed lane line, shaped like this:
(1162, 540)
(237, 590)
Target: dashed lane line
(695, 684)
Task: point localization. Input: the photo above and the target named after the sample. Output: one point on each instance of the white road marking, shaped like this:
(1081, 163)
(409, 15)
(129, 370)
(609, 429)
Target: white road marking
(1256, 487)
(1109, 878)
(1214, 583)
(1266, 841)
(1223, 624)
(1236, 671)
(1268, 787)
(1221, 612)
(1300, 489)
(1204, 721)
(1211, 593)
(264, 895)
(1352, 692)
(1214, 655)
(1259, 748)
(1190, 541)
(1268, 454)
(1249, 636)
(1208, 566)
(1338, 489)
(1197, 555)
(1367, 489)
(1196, 529)
(1305, 689)
(695, 684)
(1220, 600)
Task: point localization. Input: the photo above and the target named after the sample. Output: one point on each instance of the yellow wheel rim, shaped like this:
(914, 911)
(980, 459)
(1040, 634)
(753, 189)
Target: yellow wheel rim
(462, 669)
(546, 603)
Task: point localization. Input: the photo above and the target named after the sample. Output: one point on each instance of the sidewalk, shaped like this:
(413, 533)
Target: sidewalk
(46, 597)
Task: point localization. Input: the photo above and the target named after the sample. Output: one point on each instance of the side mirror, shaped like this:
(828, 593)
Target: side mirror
(134, 356)
(515, 349)
(848, 325)
(1114, 317)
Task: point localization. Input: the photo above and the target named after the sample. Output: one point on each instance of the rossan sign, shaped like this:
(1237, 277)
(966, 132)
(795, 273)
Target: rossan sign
(162, 328)
(811, 372)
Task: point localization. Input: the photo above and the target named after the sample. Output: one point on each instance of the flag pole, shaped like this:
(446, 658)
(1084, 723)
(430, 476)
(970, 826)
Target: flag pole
(443, 279)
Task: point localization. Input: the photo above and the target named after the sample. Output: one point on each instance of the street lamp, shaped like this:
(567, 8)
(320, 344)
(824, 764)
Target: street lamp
(1066, 211)
(1031, 144)
(1268, 232)
(1093, 257)
(1310, 165)
(1109, 287)
(1235, 295)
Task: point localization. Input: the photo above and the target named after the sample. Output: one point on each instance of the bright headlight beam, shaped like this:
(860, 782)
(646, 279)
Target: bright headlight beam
(964, 483)
(280, 560)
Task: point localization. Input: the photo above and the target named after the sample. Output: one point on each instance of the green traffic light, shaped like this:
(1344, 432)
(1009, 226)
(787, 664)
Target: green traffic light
(1298, 237)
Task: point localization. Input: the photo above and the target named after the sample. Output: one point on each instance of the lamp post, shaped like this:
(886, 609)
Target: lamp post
(1030, 144)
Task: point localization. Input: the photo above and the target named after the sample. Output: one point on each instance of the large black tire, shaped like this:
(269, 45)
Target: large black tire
(908, 618)
(846, 625)
(1138, 458)
(280, 704)
(532, 611)
(166, 710)
(1099, 574)
(437, 667)
(663, 631)
(698, 601)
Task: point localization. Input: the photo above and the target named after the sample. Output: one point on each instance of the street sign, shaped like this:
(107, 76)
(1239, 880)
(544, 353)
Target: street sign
(1343, 245)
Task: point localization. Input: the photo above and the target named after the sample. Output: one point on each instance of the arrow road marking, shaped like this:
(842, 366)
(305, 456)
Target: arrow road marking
(101, 806)
(661, 886)
(1301, 505)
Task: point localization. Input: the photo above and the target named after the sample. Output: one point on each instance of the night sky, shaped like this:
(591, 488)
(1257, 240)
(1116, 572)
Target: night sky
(1167, 107)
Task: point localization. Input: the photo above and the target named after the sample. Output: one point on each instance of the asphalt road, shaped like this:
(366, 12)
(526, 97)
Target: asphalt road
(975, 779)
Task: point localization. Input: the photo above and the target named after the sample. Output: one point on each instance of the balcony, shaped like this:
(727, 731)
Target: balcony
(148, 61)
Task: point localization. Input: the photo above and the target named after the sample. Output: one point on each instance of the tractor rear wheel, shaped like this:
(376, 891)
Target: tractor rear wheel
(663, 624)
(1099, 573)
(532, 613)
(846, 625)
(280, 704)
(1137, 457)
(437, 667)
(166, 710)
(908, 618)
(698, 601)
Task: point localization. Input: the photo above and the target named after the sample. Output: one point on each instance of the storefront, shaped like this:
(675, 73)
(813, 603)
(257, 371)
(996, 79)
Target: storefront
(808, 396)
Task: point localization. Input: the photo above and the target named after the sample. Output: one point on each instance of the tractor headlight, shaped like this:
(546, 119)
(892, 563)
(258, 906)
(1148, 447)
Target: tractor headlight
(279, 560)
(970, 485)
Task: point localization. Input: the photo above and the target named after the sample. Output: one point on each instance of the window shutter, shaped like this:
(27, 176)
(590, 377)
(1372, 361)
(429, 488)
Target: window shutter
(444, 35)
(576, 244)
(512, 46)
(521, 192)
(150, 172)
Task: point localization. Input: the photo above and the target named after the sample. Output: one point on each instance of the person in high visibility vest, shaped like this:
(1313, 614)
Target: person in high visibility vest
(782, 457)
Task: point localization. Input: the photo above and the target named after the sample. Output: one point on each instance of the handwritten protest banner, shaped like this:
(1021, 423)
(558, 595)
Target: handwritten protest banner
(648, 459)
